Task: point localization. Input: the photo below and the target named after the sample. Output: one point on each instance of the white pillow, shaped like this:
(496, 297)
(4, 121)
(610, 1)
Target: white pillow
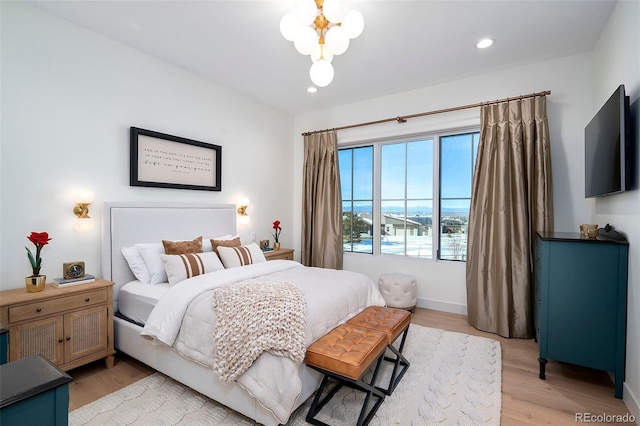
(136, 263)
(151, 254)
(240, 256)
(179, 267)
(206, 243)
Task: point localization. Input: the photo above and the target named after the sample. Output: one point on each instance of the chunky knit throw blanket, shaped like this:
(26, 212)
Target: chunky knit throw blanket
(252, 318)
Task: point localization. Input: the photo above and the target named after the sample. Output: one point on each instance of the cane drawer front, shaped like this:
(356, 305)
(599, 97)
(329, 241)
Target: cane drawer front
(85, 332)
(57, 305)
(39, 337)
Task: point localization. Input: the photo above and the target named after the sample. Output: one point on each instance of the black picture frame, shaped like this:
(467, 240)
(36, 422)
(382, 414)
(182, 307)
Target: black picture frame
(167, 161)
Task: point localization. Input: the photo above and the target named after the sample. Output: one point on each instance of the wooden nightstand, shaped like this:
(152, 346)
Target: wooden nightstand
(69, 326)
(283, 253)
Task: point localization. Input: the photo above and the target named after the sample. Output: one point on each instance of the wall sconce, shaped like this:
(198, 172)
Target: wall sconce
(83, 221)
(243, 204)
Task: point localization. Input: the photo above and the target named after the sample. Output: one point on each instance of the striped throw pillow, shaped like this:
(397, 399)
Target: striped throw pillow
(180, 267)
(240, 256)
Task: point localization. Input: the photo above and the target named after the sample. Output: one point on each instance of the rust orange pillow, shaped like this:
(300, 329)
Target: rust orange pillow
(234, 242)
(183, 247)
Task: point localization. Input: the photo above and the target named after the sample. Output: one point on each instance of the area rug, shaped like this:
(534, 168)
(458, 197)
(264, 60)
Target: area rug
(454, 379)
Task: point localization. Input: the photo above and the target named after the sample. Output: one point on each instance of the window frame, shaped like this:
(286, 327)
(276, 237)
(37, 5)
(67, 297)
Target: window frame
(435, 136)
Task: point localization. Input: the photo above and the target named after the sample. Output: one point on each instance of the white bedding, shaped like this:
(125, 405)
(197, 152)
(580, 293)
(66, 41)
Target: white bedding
(184, 318)
(136, 300)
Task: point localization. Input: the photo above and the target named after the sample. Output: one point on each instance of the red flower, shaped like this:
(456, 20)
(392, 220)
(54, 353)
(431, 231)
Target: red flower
(277, 229)
(39, 239)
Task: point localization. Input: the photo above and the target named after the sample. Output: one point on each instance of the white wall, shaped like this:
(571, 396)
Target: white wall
(616, 61)
(441, 285)
(69, 97)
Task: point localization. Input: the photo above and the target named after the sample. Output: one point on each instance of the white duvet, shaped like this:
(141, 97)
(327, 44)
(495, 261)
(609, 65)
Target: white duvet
(184, 318)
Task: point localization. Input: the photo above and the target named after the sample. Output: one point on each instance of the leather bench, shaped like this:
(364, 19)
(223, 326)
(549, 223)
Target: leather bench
(345, 353)
(392, 322)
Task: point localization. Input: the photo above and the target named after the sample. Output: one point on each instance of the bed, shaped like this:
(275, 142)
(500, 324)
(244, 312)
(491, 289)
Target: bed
(164, 320)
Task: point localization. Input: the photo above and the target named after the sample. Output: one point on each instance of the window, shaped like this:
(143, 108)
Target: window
(394, 195)
(406, 198)
(356, 181)
(457, 162)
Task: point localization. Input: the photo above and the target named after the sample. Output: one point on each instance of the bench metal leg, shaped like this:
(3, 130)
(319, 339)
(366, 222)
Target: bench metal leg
(399, 362)
(368, 388)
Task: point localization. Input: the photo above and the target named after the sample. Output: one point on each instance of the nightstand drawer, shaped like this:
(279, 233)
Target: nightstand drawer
(57, 305)
(284, 254)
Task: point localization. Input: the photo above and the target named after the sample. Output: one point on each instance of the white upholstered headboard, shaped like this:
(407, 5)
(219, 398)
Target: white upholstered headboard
(125, 224)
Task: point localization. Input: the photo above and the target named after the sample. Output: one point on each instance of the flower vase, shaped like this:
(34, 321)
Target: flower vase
(276, 246)
(35, 283)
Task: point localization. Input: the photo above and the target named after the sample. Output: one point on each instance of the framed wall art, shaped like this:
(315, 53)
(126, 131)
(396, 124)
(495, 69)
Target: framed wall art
(167, 161)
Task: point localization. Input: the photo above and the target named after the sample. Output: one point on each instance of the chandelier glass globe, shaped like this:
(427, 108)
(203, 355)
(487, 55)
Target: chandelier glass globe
(305, 11)
(321, 73)
(335, 10)
(353, 24)
(306, 40)
(336, 40)
(289, 26)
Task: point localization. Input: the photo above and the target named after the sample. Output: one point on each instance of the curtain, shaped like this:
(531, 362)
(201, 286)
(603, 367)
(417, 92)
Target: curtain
(321, 202)
(511, 199)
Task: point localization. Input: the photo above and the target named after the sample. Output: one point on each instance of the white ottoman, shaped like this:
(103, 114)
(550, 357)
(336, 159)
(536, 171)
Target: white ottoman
(398, 290)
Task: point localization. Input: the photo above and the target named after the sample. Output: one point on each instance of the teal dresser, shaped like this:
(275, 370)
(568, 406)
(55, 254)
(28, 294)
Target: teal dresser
(4, 345)
(581, 302)
(33, 392)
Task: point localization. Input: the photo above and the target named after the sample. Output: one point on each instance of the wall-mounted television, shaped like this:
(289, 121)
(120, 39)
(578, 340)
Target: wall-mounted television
(607, 148)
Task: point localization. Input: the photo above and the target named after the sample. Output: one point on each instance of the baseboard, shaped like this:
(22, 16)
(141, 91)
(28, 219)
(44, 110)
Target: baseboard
(439, 305)
(632, 403)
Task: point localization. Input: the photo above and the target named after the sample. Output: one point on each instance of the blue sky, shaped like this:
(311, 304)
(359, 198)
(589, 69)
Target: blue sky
(457, 153)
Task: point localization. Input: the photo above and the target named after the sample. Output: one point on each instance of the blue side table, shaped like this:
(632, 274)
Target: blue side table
(33, 391)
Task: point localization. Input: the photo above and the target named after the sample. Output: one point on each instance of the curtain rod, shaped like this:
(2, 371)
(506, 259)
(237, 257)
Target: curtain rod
(404, 118)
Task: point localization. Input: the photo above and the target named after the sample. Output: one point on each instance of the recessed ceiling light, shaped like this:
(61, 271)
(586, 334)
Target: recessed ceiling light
(484, 43)
(312, 89)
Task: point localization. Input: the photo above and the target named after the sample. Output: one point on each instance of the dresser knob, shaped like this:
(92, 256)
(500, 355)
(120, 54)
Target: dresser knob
(68, 338)
(38, 310)
(86, 300)
(60, 340)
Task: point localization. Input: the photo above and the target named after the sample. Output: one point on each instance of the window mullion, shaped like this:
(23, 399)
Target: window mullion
(435, 212)
(377, 204)
(406, 194)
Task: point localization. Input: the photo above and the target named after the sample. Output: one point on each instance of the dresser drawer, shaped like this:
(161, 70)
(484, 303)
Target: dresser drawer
(57, 305)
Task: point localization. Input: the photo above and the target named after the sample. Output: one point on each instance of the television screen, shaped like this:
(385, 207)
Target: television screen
(606, 154)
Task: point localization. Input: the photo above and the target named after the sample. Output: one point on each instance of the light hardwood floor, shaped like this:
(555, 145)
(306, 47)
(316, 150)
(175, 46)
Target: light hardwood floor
(526, 399)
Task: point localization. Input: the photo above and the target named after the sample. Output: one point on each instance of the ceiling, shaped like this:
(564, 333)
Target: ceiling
(405, 44)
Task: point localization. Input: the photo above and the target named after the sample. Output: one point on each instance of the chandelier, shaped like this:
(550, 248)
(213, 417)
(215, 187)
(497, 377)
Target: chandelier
(321, 29)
